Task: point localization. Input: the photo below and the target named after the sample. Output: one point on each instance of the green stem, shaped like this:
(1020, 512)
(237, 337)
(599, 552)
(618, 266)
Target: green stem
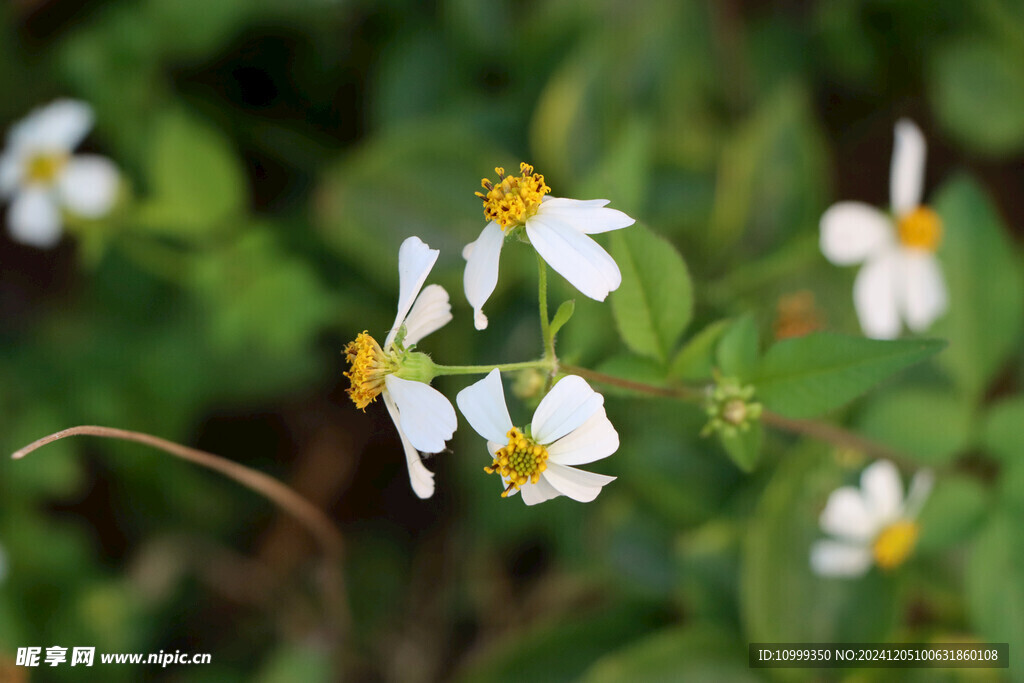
(484, 369)
(545, 321)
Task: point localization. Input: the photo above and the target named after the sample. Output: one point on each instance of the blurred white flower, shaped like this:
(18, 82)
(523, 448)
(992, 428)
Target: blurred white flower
(569, 428)
(901, 278)
(556, 227)
(425, 419)
(872, 524)
(39, 175)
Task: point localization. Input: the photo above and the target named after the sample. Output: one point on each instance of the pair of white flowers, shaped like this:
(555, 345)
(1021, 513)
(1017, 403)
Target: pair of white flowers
(569, 427)
(40, 177)
(901, 279)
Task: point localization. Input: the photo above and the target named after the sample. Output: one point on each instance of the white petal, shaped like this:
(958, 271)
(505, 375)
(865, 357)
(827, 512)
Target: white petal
(906, 179)
(481, 275)
(882, 490)
(58, 127)
(10, 173)
(832, 558)
(88, 185)
(567, 406)
(920, 487)
(853, 231)
(420, 477)
(594, 439)
(430, 313)
(923, 293)
(579, 485)
(539, 492)
(426, 416)
(576, 257)
(34, 219)
(483, 405)
(586, 216)
(415, 259)
(876, 296)
(847, 516)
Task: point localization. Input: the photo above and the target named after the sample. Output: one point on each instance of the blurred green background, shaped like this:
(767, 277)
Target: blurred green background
(279, 152)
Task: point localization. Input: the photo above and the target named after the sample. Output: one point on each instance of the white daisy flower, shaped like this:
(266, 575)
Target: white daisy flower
(556, 227)
(425, 419)
(569, 428)
(901, 278)
(39, 176)
(870, 525)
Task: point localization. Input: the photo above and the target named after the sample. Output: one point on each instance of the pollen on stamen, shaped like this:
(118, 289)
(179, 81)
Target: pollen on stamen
(368, 368)
(921, 229)
(520, 462)
(44, 168)
(513, 199)
(894, 545)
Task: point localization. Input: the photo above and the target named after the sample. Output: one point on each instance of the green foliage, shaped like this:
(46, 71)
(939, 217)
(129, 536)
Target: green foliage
(738, 349)
(933, 426)
(654, 304)
(1001, 431)
(696, 358)
(562, 316)
(743, 446)
(816, 374)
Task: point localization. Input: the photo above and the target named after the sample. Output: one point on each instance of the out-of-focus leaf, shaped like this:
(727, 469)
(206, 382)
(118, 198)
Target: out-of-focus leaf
(744, 446)
(296, 662)
(977, 92)
(194, 175)
(654, 304)
(624, 173)
(697, 357)
(1002, 431)
(738, 349)
(931, 425)
(813, 375)
(634, 368)
(952, 512)
(562, 316)
(985, 283)
(995, 585)
(691, 653)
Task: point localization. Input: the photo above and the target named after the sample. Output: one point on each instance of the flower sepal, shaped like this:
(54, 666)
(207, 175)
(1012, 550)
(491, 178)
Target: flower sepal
(416, 366)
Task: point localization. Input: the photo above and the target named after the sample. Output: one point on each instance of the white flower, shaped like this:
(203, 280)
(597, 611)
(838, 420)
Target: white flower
(39, 175)
(872, 524)
(556, 227)
(901, 278)
(569, 428)
(425, 419)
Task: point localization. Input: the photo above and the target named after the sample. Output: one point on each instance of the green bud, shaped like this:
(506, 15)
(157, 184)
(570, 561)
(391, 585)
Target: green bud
(417, 367)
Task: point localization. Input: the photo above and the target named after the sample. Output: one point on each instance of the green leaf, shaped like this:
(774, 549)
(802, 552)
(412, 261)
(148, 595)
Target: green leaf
(562, 316)
(977, 92)
(632, 367)
(738, 349)
(986, 288)
(654, 304)
(744, 446)
(953, 511)
(195, 177)
(697, 357)
(1001, 431)
(931, 425)
(818, 373)
(995, 584)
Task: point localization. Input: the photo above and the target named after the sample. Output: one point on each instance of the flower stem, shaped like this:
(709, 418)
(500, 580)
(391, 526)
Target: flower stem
(307, 514)
(822, 431)
(484, 369)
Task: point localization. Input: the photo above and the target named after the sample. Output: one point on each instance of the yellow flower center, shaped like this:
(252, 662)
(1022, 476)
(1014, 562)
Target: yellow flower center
(521, 461)
(514, 198)
(44, 168)
(369, 367)
(893, 545)
(921, 229)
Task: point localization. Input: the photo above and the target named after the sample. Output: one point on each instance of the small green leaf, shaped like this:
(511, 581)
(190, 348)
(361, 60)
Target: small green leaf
(744, 446)
(986, 288)
(562, 316)
(813, 375)
(1001, 431)
(195, 177)
(697, 357)
(738, 349)
(654, 304)
(931, 425)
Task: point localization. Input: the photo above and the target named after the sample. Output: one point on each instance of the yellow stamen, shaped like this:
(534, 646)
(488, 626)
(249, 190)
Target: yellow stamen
(44, 168)
(514, 198)
(894, 544)
(921, 229)
(520, 462)
(369, 367)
